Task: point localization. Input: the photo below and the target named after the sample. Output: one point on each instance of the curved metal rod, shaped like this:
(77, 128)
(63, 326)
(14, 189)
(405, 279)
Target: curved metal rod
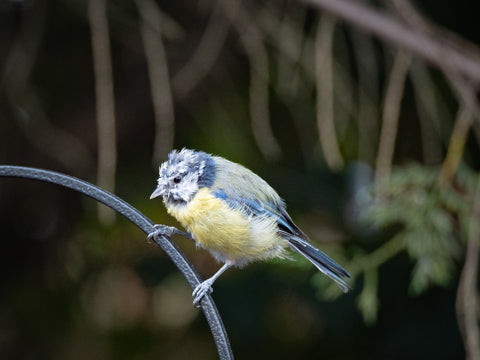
(208, 306)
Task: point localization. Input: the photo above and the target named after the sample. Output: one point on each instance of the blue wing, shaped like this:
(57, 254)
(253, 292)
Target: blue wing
(254, 207)
(297, 240)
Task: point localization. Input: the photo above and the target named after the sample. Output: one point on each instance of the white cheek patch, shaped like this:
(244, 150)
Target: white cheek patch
(188, 187)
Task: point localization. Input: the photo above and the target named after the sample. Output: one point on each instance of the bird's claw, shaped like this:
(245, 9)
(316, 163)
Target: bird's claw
(162, 230)
(200, 291)
(167, 231)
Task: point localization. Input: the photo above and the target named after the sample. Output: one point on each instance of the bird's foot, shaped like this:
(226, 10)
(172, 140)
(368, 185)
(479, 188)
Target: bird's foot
(201, 290)
(167, 231)
(163, 230)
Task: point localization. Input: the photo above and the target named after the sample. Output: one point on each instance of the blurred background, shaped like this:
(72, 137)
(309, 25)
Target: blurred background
(362, 114)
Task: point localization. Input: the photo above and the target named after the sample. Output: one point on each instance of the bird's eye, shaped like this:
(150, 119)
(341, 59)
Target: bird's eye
(177, 179)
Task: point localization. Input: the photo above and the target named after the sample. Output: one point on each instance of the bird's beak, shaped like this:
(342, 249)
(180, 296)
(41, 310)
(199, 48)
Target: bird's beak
(158, 192)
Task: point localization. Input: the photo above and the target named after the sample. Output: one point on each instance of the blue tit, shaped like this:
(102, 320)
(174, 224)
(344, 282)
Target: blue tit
(234, 214)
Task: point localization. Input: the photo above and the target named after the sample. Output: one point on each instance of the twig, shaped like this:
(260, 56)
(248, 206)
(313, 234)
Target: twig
(458, 139)
(289, 35)
(430, 111)
(284, 34)
(325, 93)
(422, 25)
(386, 27)
(470, 110)
(106, 136)
(252, 41)
(269, 21)
(60, 145)
(205, 55)
(151, 28)
(377, 257)
(259, 103)
(21, 57)
(391, 113)
(368, 96)
(467, 305)
(412, 16)
(346, 107)
(464, 86)
(300, 56)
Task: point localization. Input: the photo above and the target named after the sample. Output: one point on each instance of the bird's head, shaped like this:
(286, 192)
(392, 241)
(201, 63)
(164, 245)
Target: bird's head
(182, 175)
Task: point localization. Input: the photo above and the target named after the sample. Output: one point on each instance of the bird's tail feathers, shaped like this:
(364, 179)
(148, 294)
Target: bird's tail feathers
(321, 261)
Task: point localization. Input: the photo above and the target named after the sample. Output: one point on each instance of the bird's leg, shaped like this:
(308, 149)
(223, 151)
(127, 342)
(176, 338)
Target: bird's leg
(168, 231)
(206, 286)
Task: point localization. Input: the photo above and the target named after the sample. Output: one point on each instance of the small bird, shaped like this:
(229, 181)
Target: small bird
(234, 214)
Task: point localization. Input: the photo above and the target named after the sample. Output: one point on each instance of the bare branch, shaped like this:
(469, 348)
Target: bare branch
(457, 145)
(422, 25)
(252, 41)
(163, 107)
(286, 32)
(41, 132)
(391, 113)
(368, 96)
(325, 93)
(45, 136)
(106, 137)
(412, 16)
(436, 50)
(205, 54)
(378, 256)
(464, 87)
(430, 113)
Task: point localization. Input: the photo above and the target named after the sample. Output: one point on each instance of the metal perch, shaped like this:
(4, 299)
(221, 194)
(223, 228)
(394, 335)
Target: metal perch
(208, 306)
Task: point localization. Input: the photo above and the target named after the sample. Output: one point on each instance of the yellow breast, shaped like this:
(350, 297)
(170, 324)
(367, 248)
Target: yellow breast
(229, 234)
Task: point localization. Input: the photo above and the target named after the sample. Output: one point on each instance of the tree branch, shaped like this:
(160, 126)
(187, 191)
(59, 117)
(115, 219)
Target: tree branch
(252, 41)
(456, 146)
(391, 113)
(325, 93)
(207, 51)
(163, 108)
(436, 50)
(106, 134)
